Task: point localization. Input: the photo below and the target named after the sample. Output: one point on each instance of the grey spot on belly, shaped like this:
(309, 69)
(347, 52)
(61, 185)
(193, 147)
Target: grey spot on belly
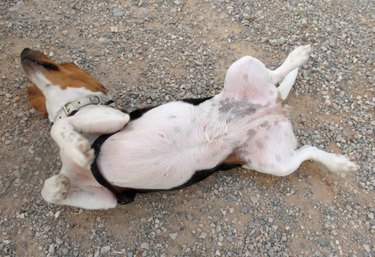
(278, 158)
(251, 133)
(245, 77)
(176, 129)
(259, 144)
(233, 110)
(172, 116)
(264, 124)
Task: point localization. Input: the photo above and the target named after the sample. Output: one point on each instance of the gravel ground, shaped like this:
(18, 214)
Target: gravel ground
(152, 51)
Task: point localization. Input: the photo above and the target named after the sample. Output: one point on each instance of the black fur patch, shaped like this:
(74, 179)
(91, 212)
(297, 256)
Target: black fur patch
(48, 66)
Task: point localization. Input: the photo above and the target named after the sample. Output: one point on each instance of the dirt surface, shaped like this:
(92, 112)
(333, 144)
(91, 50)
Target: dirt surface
(152, 52)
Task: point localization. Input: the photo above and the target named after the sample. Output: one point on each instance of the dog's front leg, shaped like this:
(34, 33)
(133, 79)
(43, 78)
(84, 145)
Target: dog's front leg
(69, 133)
(59, 189)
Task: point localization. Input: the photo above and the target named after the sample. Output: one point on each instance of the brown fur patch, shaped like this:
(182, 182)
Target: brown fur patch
(65, 75)
(70, 75)
(234, 158)
(37, 99)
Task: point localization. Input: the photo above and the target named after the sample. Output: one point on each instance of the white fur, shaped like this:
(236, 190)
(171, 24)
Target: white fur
(168, 144)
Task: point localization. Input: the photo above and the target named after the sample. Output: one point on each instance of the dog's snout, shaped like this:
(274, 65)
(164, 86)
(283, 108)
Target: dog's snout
(25, 53)
(30, 57)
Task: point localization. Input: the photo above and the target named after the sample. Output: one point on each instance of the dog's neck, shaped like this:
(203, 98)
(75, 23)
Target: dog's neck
(72, 107)
(56, 98)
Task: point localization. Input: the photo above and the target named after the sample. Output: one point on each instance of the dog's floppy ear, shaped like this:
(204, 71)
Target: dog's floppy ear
(37, 99)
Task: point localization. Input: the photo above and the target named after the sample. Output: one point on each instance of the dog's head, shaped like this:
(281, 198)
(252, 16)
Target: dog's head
(54, 82)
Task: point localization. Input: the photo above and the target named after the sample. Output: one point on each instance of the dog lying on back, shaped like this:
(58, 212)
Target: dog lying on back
(171, 145)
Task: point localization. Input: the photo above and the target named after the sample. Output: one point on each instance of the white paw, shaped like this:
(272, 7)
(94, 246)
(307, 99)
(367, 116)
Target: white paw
(79, 150)
(56, 188)
(299, 55)
(341, 165)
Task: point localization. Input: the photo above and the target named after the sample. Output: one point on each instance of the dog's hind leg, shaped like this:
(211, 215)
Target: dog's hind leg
(295, 59)
(288, 163)
(287, 83)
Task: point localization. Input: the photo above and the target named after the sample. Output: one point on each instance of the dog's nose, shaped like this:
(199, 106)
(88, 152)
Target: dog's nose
(25, 52)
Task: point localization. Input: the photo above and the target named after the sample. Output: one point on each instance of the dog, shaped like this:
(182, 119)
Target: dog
(171, 145)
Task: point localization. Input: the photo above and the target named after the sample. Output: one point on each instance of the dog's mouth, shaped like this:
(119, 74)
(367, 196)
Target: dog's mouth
(36, 61)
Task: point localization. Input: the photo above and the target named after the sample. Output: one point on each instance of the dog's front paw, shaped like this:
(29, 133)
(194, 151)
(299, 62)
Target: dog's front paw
(78, 149)
(56, 188)
(341, 165)
(300, 55)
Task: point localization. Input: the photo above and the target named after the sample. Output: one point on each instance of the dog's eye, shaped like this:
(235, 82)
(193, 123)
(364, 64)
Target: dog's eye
(48, 66)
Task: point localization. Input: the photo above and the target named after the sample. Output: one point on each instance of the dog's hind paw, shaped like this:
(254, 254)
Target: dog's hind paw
(56, 188)
(299, 55)
(341, 165)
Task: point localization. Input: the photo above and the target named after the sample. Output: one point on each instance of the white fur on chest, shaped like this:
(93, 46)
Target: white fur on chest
(163, 148)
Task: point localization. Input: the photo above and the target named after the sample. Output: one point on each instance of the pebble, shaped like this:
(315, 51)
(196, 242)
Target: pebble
(105, 249)
(118, 11)
(202, 235)
(145, 246)
(173, 236)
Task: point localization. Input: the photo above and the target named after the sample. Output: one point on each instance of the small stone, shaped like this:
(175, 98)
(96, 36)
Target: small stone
(57, 214)
(103, 40)
(145, 246)
(118, 12)
(65, 251)
(254, 199)
(51, 248)
(273, 42)
(203, 235)
(189, 217)
(64, 32)
(366, 247)
(114, 29)
(173, 236)
(105, 249)
(251, 224)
